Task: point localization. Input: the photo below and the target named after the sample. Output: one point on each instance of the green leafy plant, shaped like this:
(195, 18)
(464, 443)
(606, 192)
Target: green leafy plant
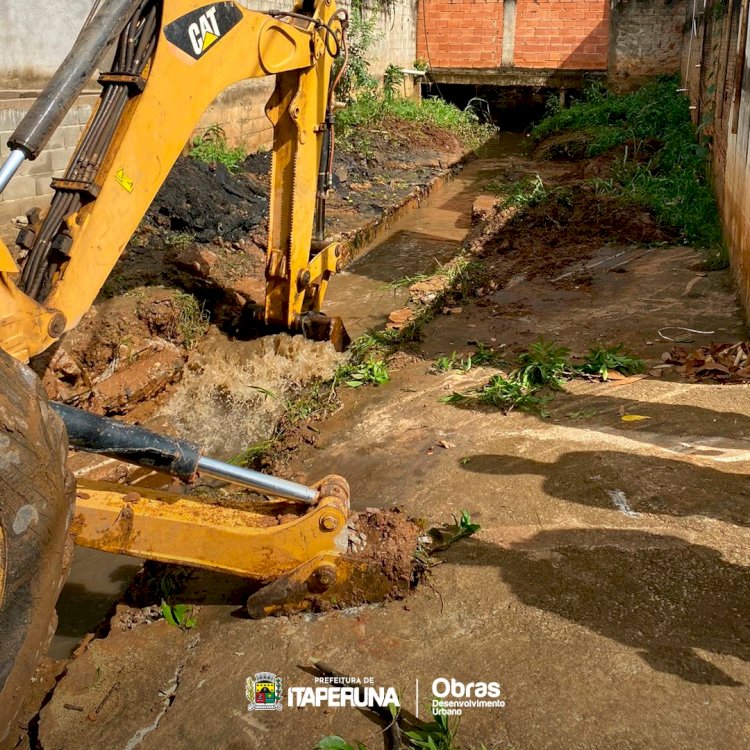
(544, 364)
(437, 735)
(600, 361)
(179, 615)
(372, 372)
(392, 79)
(361, 36)
(334, 742)
(444, 536)
(503, 394)
(212, 148)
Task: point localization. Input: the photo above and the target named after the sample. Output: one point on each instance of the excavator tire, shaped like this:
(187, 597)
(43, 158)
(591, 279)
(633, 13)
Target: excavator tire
(37, 495)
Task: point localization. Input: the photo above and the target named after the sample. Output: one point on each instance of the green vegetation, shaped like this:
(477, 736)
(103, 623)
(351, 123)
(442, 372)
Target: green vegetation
(372, 106)
(502, 393)
(360, 38)
(371, 371)
(544, 364)
(437, 735)
(179, 615)
(445, 536)
(600, 360)
(168, 582)
(212, 148)
(484, 355)
(663, 166)
(392, 79)
(192, 322)
(367, 105)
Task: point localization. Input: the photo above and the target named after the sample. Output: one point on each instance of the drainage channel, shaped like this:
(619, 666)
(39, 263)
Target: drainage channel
(363, 295)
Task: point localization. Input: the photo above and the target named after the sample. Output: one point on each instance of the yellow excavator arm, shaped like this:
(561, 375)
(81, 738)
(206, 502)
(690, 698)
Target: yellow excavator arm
(172, 58)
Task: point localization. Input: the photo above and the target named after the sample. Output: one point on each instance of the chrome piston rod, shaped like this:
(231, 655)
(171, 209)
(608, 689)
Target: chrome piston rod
(257, 480)
(10, 166)
(179, 458)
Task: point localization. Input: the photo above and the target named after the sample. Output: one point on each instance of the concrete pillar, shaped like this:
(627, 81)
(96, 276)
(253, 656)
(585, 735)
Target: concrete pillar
(509, 32)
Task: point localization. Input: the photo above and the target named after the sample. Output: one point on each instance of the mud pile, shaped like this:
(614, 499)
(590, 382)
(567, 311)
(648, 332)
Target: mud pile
(208, 202)
(569, 226)
(388, 540)
(124, 351)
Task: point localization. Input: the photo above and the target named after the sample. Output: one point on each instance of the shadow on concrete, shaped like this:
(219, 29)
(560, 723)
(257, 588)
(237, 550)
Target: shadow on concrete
(628, 482)
(654, 593)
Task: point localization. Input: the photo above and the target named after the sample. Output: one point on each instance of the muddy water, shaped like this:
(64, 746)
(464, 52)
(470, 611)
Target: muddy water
(363, 296)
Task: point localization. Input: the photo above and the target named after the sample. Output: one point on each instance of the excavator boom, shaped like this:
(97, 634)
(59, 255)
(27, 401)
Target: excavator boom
(172, 58)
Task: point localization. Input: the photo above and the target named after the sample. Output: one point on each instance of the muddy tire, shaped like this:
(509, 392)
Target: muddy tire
(36, 505)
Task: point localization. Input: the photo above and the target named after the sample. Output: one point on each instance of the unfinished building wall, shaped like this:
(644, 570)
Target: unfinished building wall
(460, 33)
(573, 34)
(568, 34)
(716, 74)
(645, 40)
(28, 60)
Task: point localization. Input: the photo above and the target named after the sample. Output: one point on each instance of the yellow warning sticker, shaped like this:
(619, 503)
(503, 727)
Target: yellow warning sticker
(124, 180)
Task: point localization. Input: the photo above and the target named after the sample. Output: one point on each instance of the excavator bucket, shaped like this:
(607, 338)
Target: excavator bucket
(321, 327)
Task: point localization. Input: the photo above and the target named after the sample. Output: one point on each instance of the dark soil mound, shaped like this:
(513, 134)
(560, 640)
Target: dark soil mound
(208, 202)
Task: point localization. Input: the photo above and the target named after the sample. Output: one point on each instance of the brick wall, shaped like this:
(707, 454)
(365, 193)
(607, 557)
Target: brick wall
(572, 34)
(460, 33)
(646, 39)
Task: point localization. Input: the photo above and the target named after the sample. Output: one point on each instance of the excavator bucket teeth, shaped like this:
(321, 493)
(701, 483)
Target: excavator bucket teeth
(323, 583)
(321, 327)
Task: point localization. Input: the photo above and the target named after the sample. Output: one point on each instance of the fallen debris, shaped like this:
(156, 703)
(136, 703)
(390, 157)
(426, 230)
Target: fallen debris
(721, 363)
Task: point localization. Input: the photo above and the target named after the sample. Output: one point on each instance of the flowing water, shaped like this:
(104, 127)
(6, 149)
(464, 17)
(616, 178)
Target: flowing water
(363, 295)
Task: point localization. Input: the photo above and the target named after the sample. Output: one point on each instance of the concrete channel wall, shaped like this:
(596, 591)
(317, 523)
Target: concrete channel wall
(32, 51)
(716, 74)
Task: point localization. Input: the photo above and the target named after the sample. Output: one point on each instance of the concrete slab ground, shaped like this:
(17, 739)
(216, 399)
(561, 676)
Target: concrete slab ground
(608, 591)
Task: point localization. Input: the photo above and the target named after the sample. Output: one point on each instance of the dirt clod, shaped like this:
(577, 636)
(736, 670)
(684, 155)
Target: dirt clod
(390, 542)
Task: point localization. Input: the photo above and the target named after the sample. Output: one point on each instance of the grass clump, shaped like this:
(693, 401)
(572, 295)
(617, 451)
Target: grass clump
(664, 165)
(372, 106)
(212, 148)
(192, 319)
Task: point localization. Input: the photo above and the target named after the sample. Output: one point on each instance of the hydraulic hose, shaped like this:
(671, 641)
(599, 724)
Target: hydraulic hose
(49, 109)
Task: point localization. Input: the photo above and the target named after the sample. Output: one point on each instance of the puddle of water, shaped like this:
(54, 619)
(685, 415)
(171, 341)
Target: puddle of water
(237, 398)
(97, 580)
